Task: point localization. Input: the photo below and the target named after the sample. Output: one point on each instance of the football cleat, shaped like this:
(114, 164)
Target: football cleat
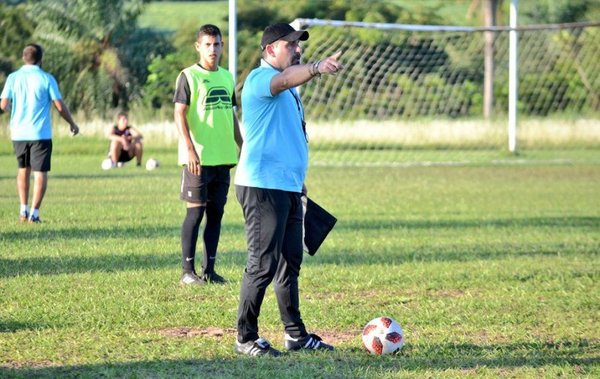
(256, 348)
(34, 220)
(213, 277)
(308, 342)
(189, 278)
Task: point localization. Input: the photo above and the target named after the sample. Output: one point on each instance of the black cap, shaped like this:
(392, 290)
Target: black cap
(282, 31)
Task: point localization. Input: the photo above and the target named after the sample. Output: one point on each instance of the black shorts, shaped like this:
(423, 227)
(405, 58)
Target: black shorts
(125, 157)
(211, 185)
(34, 154)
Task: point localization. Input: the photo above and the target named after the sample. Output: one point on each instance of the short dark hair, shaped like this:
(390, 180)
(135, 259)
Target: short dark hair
(208, 30)
(122, 113)
(32, 53)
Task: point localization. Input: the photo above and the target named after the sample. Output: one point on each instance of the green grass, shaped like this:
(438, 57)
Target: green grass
(171, 15)
(492, 268)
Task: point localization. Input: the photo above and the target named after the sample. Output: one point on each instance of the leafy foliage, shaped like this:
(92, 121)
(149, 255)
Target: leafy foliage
(95, 50)
(253, 16)
(163, 69)
(16, 28)
(560, 11)
(103, 60)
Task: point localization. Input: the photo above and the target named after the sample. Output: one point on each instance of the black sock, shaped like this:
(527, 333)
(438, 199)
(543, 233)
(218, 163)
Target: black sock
(189, 237)
(212, 232)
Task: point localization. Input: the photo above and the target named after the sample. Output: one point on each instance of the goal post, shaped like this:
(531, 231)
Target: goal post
(397, 74)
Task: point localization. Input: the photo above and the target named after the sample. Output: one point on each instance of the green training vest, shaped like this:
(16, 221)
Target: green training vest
(210, 115)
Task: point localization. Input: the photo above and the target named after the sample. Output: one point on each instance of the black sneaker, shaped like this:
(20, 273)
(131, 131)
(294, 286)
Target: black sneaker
(255, 348)
(213, 277)
(23, 217)
(308, 342)
(34, 220)
(190, 278)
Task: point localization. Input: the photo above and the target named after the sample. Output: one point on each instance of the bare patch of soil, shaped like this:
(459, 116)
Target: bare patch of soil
(195, 332)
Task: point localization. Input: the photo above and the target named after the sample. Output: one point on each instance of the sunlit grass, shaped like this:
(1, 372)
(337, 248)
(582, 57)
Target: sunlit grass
(492, 270)
(171, 15)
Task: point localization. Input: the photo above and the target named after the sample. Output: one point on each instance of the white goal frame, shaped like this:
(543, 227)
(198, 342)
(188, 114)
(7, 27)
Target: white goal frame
(512, 29)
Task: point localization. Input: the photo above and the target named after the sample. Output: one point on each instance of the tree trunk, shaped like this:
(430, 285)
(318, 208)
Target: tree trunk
(490, 8)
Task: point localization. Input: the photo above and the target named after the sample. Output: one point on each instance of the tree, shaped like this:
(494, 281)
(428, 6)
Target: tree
(560, 11)
(16, 32)
(490, 10)
(86, 48)
(252, 17)
(490, 17)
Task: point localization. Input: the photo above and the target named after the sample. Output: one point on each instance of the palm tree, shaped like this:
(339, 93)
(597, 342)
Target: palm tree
(16, 32)
(81, 38)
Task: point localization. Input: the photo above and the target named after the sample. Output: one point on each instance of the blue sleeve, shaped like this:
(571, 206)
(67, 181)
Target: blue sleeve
(7, 90)
(263, 82)
(53, 90)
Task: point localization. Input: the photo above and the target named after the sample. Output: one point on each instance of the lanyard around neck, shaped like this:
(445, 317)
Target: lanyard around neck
(298, 104)
(300, 113)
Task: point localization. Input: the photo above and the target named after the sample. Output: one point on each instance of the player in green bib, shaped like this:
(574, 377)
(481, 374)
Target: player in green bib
(208, 148)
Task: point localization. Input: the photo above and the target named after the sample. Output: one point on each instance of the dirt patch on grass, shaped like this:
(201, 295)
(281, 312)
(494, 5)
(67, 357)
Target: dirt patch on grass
(333, 337)
(338, 337)
(27, 364)
(195, 332)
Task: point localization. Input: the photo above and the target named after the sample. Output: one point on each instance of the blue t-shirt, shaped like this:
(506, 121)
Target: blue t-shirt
(275, 151)
(31, 91)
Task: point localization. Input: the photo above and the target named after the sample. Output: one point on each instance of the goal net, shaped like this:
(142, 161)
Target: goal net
(411, 86)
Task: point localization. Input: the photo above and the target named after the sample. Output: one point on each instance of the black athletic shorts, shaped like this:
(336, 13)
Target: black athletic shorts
(34, 154)
(211, 185)
(125, 157)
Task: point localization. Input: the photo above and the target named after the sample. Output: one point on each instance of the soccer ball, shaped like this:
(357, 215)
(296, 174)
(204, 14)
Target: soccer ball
(382, 335)
(107, 164)
(151, 164)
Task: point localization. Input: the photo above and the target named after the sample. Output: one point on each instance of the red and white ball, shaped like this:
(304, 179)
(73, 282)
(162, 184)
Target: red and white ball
(383, 335)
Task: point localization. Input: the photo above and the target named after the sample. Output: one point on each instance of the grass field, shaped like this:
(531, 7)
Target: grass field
(171, 15)
(491, 268)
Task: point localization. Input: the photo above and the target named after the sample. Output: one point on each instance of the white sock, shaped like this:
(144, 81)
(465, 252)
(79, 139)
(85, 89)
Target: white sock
(35, 213)
(24, 209)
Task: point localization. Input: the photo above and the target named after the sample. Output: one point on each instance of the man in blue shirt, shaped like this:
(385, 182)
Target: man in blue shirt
(28, 93)
(269, 182)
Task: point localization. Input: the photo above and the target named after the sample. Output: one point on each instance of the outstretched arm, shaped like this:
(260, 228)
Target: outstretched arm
(296, 75)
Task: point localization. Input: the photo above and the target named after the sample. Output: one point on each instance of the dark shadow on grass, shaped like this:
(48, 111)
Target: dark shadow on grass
(38, 235)
(71, 265)
(116, 175)
(343, 363)
(7, 326)
(423, 253)
(530, 222)
(431, 254)
(46, 232)
(459, 252)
